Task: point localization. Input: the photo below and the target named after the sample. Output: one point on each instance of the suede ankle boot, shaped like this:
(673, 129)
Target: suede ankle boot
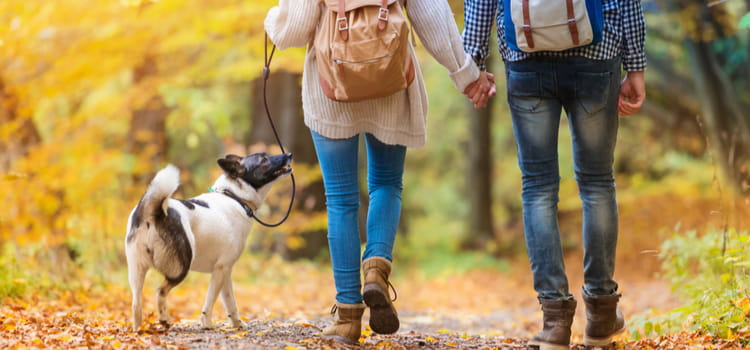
(383, 316)
(603, 320)
(347, 324)
(558, 317)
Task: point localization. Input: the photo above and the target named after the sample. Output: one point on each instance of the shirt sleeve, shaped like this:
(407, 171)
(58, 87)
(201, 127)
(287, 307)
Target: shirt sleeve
(479, 16)
(292, 23)
(434, 24)
(634, 36)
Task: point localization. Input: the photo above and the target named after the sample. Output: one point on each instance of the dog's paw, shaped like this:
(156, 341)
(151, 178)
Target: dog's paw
(206, 323)
(238, 324)
(165, 324)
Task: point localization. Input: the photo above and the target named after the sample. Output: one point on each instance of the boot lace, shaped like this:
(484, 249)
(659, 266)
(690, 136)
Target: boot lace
(334, 308)
(395, 295)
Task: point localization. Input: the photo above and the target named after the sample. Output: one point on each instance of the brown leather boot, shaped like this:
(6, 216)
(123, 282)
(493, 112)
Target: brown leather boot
(383, 316)
(347, 324)
(604, 320)
(558, 317)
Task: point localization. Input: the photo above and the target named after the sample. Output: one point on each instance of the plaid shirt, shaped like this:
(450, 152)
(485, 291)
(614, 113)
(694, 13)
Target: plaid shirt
(624, 34)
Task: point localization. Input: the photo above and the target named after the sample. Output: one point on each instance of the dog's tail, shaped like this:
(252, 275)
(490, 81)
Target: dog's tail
(162, 187)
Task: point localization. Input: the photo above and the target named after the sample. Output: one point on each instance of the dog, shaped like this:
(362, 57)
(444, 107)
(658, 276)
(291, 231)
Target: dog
(206, 233)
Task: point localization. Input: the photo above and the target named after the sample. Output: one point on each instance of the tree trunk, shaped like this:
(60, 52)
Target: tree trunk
(718, 84)
(22, 131)
(479, 179)
(284, 95)
(725, 124)
(147, 136)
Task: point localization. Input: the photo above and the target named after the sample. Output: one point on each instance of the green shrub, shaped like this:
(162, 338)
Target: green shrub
(711, 273)
(12, 281)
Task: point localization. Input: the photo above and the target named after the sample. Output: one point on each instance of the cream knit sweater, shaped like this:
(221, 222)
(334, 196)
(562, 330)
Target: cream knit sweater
(399, 119)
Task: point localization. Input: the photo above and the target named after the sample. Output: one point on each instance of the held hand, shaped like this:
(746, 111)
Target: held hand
(632, 93)
(481, 90)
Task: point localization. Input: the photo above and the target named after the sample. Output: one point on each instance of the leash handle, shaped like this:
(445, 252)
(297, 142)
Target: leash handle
(266, 73)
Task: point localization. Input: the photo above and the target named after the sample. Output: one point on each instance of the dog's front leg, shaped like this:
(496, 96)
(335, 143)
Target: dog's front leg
(230, 305)
(218, 276)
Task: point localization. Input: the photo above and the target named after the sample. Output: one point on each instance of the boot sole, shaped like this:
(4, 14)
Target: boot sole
(341, 339)
(383, 316)
(538, 345)
(592, 343)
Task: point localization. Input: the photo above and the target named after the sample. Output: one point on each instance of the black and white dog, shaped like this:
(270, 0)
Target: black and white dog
(205, 234)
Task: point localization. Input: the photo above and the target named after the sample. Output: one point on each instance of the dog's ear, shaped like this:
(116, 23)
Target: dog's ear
(231, 165)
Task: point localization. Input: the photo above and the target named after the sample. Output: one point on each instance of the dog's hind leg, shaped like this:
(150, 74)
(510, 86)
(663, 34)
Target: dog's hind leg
(161, 297)
(230, 305)
(218, 276)
(136, 277)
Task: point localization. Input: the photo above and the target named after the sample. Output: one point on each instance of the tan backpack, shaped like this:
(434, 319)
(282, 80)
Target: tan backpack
(362, 49)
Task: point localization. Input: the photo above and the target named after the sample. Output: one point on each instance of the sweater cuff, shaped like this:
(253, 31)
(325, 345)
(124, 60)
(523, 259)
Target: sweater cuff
(269, 24)
(467, 74)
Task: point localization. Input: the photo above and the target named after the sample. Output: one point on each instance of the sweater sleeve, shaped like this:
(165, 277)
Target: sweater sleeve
(436, 27)
(292, 23)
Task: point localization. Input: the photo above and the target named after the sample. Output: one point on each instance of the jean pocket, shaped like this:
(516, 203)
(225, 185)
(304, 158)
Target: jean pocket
(524, 90)
(592, 90)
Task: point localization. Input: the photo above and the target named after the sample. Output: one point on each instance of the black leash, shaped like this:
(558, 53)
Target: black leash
(266, 73)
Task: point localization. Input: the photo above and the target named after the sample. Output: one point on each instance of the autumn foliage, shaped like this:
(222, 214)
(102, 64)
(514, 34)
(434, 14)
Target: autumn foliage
(96, 96)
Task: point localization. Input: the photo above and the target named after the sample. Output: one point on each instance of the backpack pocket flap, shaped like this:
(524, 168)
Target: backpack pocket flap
(546, 13)
(354, 4)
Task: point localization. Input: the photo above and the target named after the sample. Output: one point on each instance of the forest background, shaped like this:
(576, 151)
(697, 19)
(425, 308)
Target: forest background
(95, 97)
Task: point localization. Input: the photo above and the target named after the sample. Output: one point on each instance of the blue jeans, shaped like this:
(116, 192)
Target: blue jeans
(385, 169)
(538, 89)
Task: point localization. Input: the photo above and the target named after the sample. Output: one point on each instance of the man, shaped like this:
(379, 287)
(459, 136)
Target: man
(585, 82)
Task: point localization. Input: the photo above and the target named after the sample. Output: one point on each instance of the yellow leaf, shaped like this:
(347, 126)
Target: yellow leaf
(10, 327)
(430, 339)
(443, 330)
(108, 337)
(289, 347)
(117, 344)
(239, 335)
(19, 281)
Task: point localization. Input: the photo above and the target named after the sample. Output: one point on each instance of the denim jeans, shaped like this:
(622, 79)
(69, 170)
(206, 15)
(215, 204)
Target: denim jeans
(538, 89)
(385, 169)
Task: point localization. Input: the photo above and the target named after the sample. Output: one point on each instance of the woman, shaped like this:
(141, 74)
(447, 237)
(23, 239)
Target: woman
(389, 125)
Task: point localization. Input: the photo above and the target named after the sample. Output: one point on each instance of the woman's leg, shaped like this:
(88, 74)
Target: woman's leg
(338, 163)
(385, 170)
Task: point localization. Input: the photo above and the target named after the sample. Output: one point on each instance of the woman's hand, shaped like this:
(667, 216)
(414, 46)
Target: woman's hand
(480, 91)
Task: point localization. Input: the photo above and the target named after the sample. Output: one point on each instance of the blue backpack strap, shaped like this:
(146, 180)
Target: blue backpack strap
(509, 27)
(596, 16)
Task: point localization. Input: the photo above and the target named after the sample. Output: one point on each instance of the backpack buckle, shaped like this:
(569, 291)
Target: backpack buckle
(342, 24)
(383, 14)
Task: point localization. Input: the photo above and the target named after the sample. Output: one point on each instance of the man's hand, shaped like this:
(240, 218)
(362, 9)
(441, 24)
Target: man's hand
(480, 91)
(632, 93)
